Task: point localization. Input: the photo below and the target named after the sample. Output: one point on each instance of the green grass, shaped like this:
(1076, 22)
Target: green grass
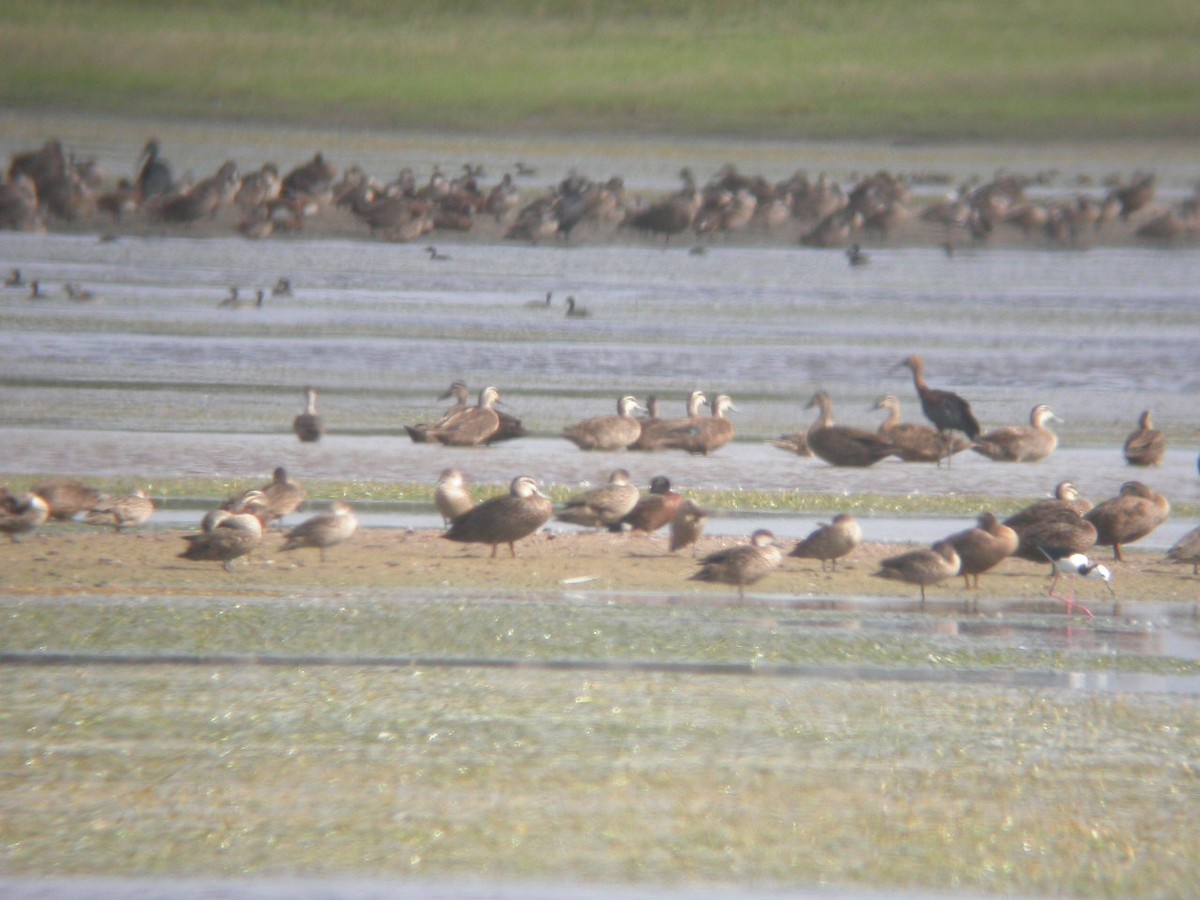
(870, 68)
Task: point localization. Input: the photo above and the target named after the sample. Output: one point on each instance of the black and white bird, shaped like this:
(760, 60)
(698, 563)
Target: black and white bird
(1076, 565)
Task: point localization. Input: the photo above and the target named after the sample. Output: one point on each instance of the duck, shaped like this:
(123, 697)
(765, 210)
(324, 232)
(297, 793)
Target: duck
(574, 311)
(704, 434)
(282, 288)
(1021, 443)
(14, 279)
(154, 176)
(687, 527)
(133, 509)
(604, 506)
(655, 430)
(1146, 446)
(945, 409)
(656, 510)
(1056, 522)
(67, 497)
(1135, 512)
(1187, 549)
(842, 445)
(983, 547)
(1075, 565)
(452, 496)
(856, 257)
(830, 542)
(236, 535)
(22, 513)
(324, 530)
(435, 254)
(796, 443)
(471, 426)
(308, 425)
(506, 519)
(35, 290)
(742, 565)
(458, 390)
(915, 442)
(272, 501)
(923, 567)
(608, 432)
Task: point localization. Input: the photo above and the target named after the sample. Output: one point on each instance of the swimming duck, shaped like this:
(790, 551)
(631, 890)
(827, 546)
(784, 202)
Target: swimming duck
(742, 565)
(471, 426)
(1187, 549)
(604, 506)
(282, 288)
(915, 442)
(608, 432)
(983, 547)
(506, 519)
(234, 536)
(21, 513)
(924, 566)
(1075, 565)
(856, 256)
(452, 496)
(1021, 443)
(575, 311)
(1145, 447)
(1135, 512)
(133, 509)
(830, 542)
(945, 409)
(704, 434)
(841, 445)
(324, 530)
(435, 254)
(687, 526)
(656, 510)
(655, 430)
(66, 497)
(308, 425)
(1053, 523)
(510, 426)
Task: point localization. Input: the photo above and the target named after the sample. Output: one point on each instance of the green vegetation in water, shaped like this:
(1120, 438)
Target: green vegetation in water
(865, 68)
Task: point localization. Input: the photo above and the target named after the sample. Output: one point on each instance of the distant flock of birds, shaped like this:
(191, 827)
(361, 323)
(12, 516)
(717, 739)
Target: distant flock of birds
(50, 185)
(1059, 531)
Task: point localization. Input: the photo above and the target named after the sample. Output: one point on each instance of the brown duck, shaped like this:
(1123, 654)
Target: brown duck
(830, 542)
(1056, 523)
(1021, 443)
(452, 496)
(133, 509)
(656, 510)
(472, 426)
(687, 526)
(913, 441)
(704, 434)
(604, 506)
(655, 431)
(742, 565)
(983, 547)
(234, 536)
(608, 432)
(308, 425)
(842, 445)
(922, 567)
(1187, 550)
(1146, 446)
(21, 513)
(1135, 512)
(272, 501)
(506, 519)
(67, 497)
(324, 530)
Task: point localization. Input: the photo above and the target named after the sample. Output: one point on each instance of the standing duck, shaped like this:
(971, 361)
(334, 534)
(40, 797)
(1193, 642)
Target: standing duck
(704, 434)
(1053, 523)
(604, 506)
(1187, 549)
(67, 497)
(915, 442)
(234, 536)
(945, 409)
(983, 547)
(472, 426)
(687, 526)
(506, 519)
(608, 432)
(272, 501)
(1135, 512)
(21, 513)
(1021, 443)
(1145, 447)
(452, 496)
(742, 565)
(841, 445)
(324, 530)
(134, 509)
(656, 510)
(830, 542)
(924, 566)
(308, 425)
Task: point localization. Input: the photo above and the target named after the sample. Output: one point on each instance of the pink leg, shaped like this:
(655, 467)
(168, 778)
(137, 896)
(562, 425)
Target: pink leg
(1070, 601)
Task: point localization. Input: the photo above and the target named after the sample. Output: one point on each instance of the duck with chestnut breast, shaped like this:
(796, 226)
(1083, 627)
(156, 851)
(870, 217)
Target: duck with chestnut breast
(1146, 446)
(742, 565)
(983, 547)
(704, 434)
(1135, 512)
(830, 542)
(913, 441)
(945, 409)
(657, 509)
(842, 445)
(1018, 443)
(506, 519)
(923, 567)
(608, 432)
(1056, 522)
(324, 530)
(604, 506)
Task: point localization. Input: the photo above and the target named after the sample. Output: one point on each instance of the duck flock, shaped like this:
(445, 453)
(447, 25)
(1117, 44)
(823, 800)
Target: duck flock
(51, 187)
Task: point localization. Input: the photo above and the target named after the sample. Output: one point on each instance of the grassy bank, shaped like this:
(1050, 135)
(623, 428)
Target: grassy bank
(868, 68)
